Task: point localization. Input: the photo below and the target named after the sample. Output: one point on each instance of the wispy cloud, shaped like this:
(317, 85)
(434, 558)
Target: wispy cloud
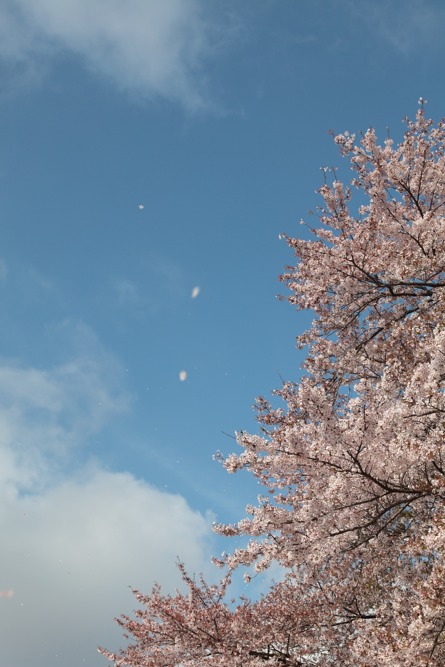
(74, 534)
(146, 47)
(47, 414)
(416, 26)
(70, 554)
(157, 282)
(127, 292)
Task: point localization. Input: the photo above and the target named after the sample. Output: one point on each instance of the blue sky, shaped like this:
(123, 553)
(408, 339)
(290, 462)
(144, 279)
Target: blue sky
(147, 149)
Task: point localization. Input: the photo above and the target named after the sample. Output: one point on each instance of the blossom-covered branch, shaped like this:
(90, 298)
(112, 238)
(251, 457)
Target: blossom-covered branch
(353, 465)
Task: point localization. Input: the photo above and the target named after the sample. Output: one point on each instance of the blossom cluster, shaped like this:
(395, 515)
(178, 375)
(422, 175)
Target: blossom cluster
(353, 467)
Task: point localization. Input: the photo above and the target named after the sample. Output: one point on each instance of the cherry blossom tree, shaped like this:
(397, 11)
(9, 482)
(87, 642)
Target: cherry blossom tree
(353, 465)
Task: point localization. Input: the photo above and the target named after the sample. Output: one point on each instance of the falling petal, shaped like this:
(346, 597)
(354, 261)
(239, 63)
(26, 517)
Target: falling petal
(183, 376)
(6, 594)
(195, 292)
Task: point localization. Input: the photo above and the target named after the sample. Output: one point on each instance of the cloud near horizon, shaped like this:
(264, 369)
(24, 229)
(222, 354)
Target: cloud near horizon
(75, 535)
(145, 47)
(70, 555)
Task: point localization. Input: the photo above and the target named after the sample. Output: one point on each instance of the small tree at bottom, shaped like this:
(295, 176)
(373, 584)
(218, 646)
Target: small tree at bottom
(353, 465)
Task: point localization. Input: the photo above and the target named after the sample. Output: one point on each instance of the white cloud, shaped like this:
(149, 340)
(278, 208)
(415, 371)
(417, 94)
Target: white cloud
(147, 47)
(70, 555)
(75, 537)
(44, 415)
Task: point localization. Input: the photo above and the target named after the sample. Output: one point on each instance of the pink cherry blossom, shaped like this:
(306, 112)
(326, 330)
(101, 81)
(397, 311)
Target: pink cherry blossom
(353, 462)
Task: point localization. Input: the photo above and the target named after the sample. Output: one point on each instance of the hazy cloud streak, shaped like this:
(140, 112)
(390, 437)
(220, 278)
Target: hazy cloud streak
(75, 535)
(145, 47)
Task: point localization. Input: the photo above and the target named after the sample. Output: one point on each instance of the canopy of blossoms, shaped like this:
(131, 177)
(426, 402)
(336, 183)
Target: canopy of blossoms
(353, 465)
